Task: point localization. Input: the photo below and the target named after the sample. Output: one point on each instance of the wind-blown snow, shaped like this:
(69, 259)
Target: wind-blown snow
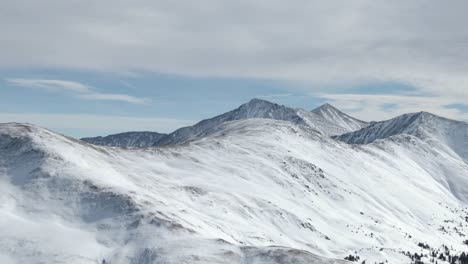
(252, 191)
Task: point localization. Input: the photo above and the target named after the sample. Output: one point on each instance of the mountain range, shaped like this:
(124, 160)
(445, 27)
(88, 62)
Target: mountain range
(263, 183)
(325, 119)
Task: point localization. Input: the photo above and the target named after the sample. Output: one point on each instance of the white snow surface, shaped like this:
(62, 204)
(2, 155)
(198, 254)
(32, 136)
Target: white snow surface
(253, 191)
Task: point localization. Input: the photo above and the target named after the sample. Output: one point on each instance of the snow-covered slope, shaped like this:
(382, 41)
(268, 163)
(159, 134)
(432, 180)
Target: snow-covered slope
(255, 191)
(127, 139)
(335, 116)
(436, 130)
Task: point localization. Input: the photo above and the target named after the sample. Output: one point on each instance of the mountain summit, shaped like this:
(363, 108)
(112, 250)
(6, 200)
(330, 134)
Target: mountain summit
(333, 115)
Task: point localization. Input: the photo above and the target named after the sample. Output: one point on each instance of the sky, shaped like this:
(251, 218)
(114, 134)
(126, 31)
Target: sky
(86, 68)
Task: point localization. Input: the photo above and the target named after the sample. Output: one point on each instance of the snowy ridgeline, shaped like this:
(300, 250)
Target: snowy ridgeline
(326, 119)
(248, 190)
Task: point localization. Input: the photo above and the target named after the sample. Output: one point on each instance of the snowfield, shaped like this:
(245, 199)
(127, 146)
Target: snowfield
(252, 190)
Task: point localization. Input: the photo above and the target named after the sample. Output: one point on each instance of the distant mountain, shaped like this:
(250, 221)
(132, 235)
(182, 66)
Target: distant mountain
(427, 126)
(127, 139)
(255, 108)
(335, 116)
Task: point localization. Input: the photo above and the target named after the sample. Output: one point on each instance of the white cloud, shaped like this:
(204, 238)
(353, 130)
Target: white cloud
(81, 125)
(50, 85)
(79, 90)
(421, 42)
(114, 97)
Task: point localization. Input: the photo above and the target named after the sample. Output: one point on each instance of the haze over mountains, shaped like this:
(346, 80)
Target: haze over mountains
(263, 183)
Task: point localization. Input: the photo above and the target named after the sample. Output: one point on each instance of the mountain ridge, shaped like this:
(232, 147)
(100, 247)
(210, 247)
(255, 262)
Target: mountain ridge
(424, 125)
(255, 108)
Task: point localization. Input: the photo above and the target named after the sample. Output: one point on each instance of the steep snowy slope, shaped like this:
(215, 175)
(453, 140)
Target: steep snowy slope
(335, 116)
(127, 139)
(439, 131)
(255, 191)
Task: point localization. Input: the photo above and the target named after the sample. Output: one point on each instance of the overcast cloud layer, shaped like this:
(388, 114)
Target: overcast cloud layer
(421, 42)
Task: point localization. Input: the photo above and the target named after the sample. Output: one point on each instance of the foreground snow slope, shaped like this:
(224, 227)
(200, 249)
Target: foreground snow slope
(255, 191)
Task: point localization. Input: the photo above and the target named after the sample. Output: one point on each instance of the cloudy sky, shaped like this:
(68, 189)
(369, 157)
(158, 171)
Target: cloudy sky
(97, 67)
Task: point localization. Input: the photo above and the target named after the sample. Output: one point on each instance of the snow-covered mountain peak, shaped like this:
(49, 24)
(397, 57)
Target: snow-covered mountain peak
(258, 108)
(424, 125)
(256, 102)
(327, 106)
(255, 108)
(411, 123)
(333, 115)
